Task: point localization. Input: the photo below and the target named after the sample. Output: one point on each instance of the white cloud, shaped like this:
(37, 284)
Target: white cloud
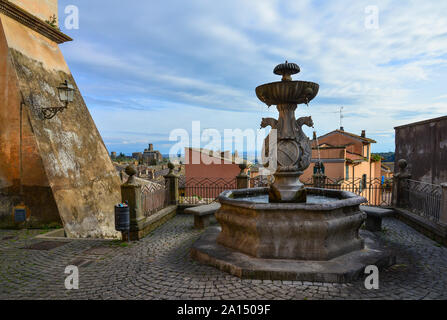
(160, 55)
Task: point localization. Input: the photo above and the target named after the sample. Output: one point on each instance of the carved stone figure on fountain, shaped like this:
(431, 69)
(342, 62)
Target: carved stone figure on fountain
(303, 142)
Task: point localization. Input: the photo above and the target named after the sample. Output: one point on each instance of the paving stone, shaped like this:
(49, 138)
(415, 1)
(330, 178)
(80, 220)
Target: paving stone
(159, 267)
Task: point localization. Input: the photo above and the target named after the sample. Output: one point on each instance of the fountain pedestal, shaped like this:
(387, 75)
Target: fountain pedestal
(287, 188)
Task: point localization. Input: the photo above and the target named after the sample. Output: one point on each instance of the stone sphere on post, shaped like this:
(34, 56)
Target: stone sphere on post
(242, 166)
(131, 172)
(402, 164)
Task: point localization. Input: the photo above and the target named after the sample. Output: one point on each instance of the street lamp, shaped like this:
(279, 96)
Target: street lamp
(66, 95)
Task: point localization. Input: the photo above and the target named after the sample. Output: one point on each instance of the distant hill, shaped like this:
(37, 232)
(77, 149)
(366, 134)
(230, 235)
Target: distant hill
(388, 156)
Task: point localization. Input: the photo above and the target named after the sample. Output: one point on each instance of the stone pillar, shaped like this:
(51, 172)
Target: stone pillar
(131, 193)
(443, 214)
(242, 179)
(398, 197)
(172, 185)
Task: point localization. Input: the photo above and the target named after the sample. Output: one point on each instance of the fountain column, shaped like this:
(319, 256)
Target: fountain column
(293, 149)
(287, 186)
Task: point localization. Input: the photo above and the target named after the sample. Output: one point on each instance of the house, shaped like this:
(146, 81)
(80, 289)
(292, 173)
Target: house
(387, 170)
(204, 163)
(345, 157)
(208, 173)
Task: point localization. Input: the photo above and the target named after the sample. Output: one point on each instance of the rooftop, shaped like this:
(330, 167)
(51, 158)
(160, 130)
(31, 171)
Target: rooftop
(363, 139)
(218, 154)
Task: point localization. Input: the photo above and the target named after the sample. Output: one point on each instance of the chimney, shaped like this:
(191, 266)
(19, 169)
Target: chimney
(342, 129)
(315, 136)
(363, 134)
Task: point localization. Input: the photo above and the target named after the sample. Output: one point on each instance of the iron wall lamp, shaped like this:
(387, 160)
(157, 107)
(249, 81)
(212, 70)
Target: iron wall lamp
(66, 95)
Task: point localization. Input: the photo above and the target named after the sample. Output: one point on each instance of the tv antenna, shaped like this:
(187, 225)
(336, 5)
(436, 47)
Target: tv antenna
(341, 117)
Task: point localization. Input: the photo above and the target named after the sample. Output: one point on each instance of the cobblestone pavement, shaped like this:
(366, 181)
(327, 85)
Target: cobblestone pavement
(159, 267)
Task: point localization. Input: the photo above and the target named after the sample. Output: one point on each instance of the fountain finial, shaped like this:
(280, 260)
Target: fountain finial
(286, 70)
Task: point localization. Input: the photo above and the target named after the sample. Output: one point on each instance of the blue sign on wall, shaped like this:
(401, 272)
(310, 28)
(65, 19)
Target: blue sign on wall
(19, 215)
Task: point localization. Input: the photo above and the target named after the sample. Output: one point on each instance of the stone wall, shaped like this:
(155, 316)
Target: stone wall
(424, 146)
(67, 174)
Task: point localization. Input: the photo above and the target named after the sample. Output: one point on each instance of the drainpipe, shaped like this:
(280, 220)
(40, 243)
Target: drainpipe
(20, 151)
(353, 179)
(370, 173)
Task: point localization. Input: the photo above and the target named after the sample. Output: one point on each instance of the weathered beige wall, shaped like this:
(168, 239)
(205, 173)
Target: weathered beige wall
(33, 44)
(43, 9)
(37, 193)
(76, 164)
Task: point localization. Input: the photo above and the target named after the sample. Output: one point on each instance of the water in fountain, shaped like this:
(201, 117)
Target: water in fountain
(310, 199)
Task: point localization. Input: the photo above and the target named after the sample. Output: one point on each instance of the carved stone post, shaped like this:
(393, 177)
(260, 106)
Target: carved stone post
(443, 215)
(399, 198)
(242, 179)
(131, 193)
(172, 185)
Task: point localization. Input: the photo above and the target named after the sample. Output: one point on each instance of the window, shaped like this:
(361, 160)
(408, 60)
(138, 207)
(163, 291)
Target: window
(367, 152)
(364, 181)
(347, 172)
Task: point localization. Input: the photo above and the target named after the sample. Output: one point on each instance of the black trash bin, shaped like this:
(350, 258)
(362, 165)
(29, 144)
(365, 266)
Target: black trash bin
(122, 218)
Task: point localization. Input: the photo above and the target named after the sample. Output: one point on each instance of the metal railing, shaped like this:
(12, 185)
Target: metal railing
(204, 190)
(421, 198)
(154, 197)
(376, 191)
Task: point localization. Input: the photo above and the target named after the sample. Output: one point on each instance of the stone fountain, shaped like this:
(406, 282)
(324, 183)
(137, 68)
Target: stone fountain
(288, 231)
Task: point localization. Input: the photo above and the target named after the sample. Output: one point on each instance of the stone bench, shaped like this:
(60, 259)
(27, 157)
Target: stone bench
(374, 217)
(202, 214)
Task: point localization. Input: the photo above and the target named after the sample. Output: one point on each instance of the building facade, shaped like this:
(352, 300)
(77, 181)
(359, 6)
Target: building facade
(203, 163)
(58, 170)
(423, 145)
(151, 156)
(345, 157)
(137, 155)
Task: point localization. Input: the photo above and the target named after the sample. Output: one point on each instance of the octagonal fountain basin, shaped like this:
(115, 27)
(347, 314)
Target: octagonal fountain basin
(323, 228)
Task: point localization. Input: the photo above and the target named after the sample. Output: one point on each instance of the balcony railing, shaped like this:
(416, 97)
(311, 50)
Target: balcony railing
(421, 198)
(376, 191)
(204, 190)
(154, 197)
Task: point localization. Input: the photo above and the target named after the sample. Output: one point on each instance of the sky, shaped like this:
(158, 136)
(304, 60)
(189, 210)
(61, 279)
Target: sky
(146, 68)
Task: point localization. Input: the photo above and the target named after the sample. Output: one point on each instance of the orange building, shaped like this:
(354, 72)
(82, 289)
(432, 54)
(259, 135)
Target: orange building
(203, 163)
(208, 173)
(345, 156)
